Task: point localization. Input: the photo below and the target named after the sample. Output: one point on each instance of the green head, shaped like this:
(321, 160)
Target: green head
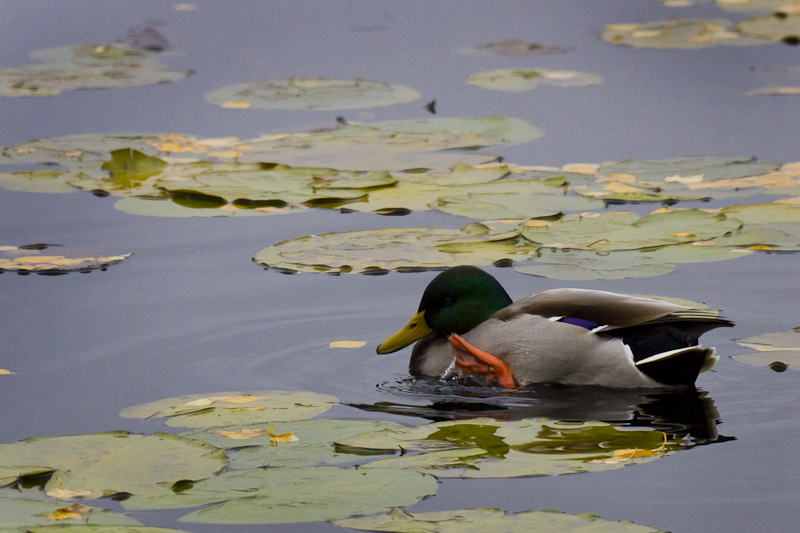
(455, 301)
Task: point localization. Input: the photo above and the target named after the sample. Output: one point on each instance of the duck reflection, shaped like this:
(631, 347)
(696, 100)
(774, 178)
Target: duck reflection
(685, 414)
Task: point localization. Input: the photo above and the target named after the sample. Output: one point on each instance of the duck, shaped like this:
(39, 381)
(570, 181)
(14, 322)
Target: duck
(468, 328)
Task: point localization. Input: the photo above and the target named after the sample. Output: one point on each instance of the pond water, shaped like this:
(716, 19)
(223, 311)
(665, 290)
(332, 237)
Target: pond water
(190, 313)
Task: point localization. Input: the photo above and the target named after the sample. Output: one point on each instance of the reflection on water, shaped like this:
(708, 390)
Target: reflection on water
(680, 414)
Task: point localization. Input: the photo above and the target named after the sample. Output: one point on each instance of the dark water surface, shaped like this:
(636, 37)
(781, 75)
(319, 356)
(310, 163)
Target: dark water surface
(190, 313)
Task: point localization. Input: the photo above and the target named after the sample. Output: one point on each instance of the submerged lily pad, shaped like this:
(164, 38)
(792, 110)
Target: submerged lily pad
(398, 248)
(488, 448)
(677, 33)
(113, 462)
(285, 495)
(229, 408)
(518, 80)
(777, 350)
(68, 68)
(516, 48)
(311, 93)
(254, 447)
(482, 520)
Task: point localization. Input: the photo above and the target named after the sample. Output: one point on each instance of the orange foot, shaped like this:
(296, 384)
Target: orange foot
(475, 361)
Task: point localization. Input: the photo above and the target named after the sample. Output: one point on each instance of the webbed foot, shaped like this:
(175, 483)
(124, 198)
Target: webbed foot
(475, 361)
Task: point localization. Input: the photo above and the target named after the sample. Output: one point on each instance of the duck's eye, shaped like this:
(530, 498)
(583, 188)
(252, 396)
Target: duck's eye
(448, 302)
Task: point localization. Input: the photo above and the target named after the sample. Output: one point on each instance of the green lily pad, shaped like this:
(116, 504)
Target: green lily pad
(775, 27)
(488, 448)
(518, 80)
(765, 213)
(516, 48)
(777, 350)
(619, 230)
(69, 68)
(21, 515)
(585, 265)
(751, 5)
(129, 167)
(114, 462)
(89, 528)
(24, 259)
(52, 181)
(398, 248)
(677, 33)
(228, 408)
(256, 448)
(311, 93)
(482, 520)
(285, 495)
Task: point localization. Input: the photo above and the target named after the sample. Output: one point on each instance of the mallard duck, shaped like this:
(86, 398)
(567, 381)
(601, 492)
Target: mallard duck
(468, 326)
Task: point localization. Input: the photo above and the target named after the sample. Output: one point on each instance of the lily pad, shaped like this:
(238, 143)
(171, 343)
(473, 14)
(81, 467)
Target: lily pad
(777, 350)
(398, 248)
(518, 80)
(488, 448)
(585, 265)
(311, 93)
(24, 259)
(285, 495)
(254, 447)
(777, 26)
(68, 68)
(482, 520)
(618, 230)
(21, 514)
(228, 408)
(678, 33)
(113, 462)
(516, 48)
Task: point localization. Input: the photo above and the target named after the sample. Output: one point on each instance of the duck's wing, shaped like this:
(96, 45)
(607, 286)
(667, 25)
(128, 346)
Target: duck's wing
(610, 311)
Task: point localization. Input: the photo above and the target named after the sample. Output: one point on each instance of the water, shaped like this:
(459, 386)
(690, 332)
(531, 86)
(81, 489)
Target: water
(190, 313)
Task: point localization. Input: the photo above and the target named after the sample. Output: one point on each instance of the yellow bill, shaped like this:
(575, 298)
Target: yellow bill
(413, 331)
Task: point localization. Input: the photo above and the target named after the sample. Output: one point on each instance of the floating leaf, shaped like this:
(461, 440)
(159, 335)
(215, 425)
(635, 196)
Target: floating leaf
(228, 408)
(518, 80)
(24, 514)
(486, 448)
(773, 348)
(314, 447)
(312, 93)
(585, 265)
(68, 68)
(129, 167)
(109, 463)
(679, 33)
(283, 495)
(397, 248)
(5, 372)
(482, 520)
(619, 230)
(516, 48)
(777, 26)
(22, 260)
(347, 344)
